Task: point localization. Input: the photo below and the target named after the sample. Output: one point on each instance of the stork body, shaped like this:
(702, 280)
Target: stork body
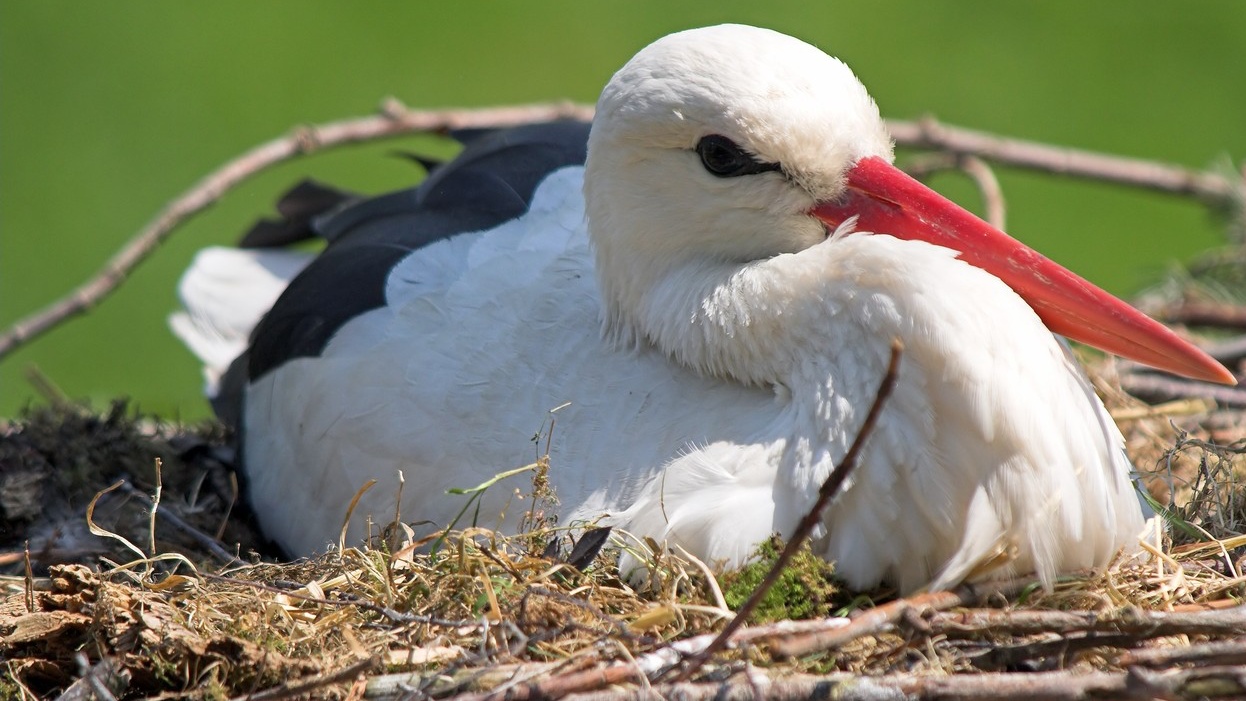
(708, 326)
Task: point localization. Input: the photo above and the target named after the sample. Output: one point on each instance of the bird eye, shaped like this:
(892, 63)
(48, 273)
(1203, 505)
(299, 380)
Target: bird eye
(724, 158)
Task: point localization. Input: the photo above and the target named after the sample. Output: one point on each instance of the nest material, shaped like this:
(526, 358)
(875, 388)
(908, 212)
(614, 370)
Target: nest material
(119, 606)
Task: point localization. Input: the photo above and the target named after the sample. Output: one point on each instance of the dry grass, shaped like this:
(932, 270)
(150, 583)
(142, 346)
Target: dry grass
(485, 611)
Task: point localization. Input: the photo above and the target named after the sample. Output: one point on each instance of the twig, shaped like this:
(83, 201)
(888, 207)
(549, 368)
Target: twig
(1137, 622)
(1224, 316)
(649, 666)
(929, 133)
(394, 120)
(103, 681)
(302, 686)
(1042, 654)
(211, 544)
(46, 388)
(1228, 352)
(397, 120)
(565, 684)
(1063, 685)
(879, 619)
(830, 487)
(1216, 652)
(977, 169)
(1160, 388)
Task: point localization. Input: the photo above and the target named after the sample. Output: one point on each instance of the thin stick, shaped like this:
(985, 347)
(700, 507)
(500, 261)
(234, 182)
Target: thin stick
(1137, 622)
(977, 169)
(1216, 652)
(879, 619)
(929, 133)
(155, 506)
(1162, 388)
(104, 681)
(393, 121)
(1062, 685)
(397, 120)
(811, 519)
(640, 670)
(1224, 316)
(203, 539)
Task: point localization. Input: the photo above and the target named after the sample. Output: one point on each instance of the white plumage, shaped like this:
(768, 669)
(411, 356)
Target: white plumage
(713, 349)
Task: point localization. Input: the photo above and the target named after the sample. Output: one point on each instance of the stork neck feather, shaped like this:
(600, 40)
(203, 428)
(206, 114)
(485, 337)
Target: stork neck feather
(748, 322)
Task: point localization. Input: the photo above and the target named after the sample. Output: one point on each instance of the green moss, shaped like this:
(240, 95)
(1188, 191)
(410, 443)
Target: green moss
(9, 689)
(805, 589)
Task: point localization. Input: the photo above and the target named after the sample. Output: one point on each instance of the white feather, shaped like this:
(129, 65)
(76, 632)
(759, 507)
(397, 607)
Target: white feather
(225, 293)
(716, 352)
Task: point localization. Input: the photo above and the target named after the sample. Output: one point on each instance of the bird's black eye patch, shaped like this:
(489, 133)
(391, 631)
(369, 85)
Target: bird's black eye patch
(724, 158)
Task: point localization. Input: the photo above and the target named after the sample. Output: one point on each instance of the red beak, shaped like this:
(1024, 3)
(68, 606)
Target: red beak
(887, 201)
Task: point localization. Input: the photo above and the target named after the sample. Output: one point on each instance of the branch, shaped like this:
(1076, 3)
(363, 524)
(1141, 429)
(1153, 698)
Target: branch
(880, 619)
(394, 120)
(1217, 652)
(829, 489)
(1138, 622)
(1225, 316)
(977, 169)
(103, 681)
(397, 120)
(929, 134)
(649, 666)
(1154, 388)
(1227, 681)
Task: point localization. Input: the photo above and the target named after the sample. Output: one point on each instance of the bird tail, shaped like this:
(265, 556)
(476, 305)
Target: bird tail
(225, 293)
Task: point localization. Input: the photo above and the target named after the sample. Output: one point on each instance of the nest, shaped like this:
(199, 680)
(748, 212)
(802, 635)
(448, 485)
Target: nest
(132, 590)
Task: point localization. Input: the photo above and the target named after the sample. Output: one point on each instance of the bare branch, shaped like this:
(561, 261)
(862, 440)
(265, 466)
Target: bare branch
(879, 619)
(103, 681)
(1225, 316)
(1227, 681)
(393, 121)
(1137, 622)
(830, 487)
(977, 169)
(649, 666)
(930, 134)
(396, 120)
(1216, 652)
(1154, 387)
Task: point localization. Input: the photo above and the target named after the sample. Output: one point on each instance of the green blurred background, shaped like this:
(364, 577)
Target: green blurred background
(109, 110)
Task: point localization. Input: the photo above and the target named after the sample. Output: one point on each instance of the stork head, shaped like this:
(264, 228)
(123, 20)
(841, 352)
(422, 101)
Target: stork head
(713, 145)
(731, 144)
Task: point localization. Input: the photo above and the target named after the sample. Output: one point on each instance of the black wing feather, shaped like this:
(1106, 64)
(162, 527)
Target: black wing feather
(490, 182)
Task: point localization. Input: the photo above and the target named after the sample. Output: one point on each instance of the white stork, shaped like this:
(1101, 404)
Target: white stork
(702, 299)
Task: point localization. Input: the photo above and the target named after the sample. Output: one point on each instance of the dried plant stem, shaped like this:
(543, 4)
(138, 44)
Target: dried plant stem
(395, 120)
(880, 619)
(209, 543)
